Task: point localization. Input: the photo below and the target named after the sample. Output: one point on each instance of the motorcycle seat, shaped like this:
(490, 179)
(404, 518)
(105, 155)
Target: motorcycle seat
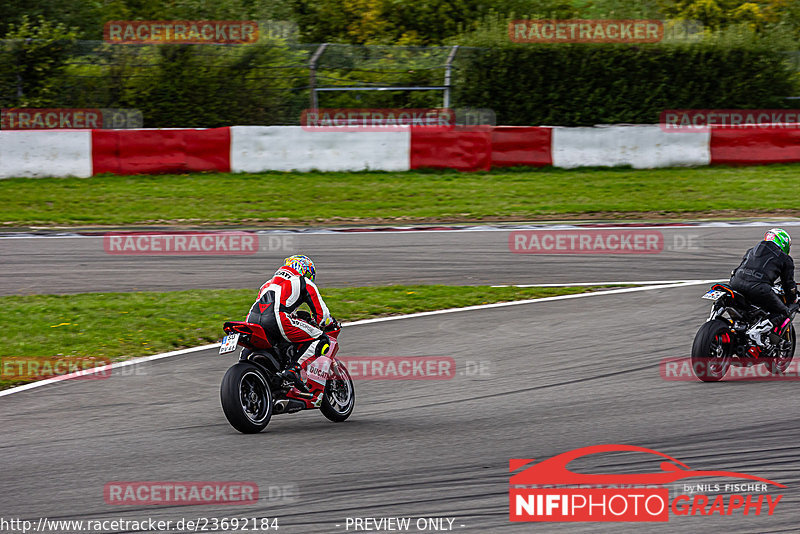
(739, 298)
(254, 333)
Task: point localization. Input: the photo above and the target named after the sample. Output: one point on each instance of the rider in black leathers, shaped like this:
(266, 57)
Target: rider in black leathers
(761, 267)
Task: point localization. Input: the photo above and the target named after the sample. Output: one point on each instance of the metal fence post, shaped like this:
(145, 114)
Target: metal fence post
(448, 68)
(312, 67)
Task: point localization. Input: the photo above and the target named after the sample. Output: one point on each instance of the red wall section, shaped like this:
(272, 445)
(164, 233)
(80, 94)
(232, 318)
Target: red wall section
(160, 151)
(754, 146)
(462, 150)
(517, 146)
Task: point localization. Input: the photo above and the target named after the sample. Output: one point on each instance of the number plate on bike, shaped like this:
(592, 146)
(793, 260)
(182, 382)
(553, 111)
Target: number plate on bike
(714, 294)
(229, 343)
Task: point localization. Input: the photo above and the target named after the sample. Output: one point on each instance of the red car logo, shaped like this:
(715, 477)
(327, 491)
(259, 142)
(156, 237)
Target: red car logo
(554, 470)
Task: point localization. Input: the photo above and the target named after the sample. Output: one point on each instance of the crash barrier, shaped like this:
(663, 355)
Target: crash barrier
(641, 147)
(161, 151)
(287, 148)
(35, 154)
(755, 146)
(83, 153)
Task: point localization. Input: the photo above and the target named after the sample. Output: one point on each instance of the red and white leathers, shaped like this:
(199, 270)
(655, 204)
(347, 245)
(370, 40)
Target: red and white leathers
(279, 297)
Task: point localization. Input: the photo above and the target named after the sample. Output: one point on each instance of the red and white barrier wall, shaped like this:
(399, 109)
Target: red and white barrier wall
(83, 153)
(288, 148)
(35, 154)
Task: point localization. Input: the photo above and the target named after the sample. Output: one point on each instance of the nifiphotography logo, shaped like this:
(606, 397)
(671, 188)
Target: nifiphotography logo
(548, 491)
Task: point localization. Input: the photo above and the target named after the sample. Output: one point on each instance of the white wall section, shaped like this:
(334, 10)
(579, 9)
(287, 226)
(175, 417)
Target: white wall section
(287, 148)
(642, 147)
(40, 153)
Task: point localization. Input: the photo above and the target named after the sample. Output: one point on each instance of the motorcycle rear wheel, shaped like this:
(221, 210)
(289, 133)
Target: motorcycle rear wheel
(246, 398)
(711, 354)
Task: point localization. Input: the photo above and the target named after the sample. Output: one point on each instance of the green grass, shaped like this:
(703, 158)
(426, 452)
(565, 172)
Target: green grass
(375, 197)
(119, 326)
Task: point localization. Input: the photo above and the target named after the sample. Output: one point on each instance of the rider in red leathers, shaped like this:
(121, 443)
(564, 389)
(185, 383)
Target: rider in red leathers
(278, 299)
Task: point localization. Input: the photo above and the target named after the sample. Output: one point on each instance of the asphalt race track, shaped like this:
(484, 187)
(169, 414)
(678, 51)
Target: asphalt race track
(558, 375)
(80, 264)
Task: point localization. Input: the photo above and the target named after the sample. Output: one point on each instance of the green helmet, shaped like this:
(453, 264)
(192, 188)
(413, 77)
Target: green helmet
(780, 237)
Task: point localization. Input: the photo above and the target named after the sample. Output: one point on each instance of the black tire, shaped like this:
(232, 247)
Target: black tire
(779, 364)
(339, 397)
(711, 354)
(246, 398)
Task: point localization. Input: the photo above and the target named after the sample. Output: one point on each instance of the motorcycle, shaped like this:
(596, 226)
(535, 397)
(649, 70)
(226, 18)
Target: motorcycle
(723, 342)
(252, 392)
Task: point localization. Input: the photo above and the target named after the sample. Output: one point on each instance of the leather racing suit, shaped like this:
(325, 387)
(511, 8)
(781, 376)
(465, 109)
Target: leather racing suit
(761, 267)
(278, 299)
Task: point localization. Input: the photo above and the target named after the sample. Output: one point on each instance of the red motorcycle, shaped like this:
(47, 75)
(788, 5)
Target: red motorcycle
(252, 392)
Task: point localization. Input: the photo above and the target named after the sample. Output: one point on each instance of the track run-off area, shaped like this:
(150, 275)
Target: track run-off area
(555, 374)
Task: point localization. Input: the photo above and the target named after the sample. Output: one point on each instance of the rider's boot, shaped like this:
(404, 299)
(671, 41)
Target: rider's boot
(292, 374)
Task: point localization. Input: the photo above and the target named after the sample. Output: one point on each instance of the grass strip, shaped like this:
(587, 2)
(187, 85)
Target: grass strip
(118, 326)
(297, 199)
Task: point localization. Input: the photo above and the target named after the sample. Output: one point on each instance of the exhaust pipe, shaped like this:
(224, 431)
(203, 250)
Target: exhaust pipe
(287, 406)
(279, 406)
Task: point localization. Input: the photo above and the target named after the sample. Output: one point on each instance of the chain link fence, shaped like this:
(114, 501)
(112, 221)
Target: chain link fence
(272, 82)
(185, 85)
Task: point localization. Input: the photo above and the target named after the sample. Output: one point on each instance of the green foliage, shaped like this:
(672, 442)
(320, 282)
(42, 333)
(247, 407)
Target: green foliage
(33, 58)
(404, 22)
(198, 86)
(717, 14)
(88, 17)
(736, 66)
(172, 85)
(575, 85)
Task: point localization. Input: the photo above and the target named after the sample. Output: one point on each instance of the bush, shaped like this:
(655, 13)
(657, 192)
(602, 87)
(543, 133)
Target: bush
(587, 84)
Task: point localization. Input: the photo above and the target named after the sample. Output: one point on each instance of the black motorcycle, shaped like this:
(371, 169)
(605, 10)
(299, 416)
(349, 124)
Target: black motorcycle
(723, 341)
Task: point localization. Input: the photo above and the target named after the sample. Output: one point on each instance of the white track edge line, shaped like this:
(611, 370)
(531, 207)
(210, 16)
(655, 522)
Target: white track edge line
(582, 284)
(153, 357)
(114, 365)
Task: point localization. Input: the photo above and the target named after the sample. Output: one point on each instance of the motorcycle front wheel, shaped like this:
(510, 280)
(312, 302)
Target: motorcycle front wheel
(339, 397)
(246, 398)
(781, 361)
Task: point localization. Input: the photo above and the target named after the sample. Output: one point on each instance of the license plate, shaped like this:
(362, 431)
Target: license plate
(229, 343)
(714, 294)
